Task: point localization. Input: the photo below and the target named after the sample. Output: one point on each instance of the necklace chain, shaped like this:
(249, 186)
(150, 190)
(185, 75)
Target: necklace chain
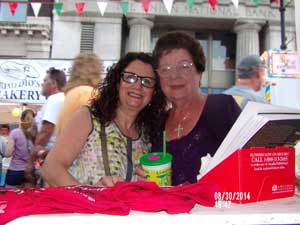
(179, 129)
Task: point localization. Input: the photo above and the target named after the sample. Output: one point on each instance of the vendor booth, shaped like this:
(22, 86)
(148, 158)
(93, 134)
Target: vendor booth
(279, 211)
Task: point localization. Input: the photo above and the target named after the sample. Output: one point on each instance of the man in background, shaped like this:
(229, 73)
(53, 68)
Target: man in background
(46, 118)
(6, 150)
(250, 78)
(4, 130)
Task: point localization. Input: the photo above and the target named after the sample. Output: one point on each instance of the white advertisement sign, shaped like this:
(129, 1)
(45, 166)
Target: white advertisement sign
(21, 79)
(284, 64)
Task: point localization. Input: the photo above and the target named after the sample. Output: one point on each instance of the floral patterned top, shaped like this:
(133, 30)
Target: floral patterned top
(88, 167)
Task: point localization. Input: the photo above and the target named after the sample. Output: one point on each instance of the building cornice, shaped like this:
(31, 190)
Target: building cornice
(24, 29)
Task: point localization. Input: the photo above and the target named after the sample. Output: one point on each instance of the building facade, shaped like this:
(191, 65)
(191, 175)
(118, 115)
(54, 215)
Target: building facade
(226, 33)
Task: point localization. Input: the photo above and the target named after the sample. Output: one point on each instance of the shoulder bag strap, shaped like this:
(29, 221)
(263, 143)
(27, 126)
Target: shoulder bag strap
(104, 150)
(129, 160)
(105, 155)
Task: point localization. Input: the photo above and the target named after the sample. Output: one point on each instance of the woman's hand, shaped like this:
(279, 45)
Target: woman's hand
(109, 181)
(141, 175)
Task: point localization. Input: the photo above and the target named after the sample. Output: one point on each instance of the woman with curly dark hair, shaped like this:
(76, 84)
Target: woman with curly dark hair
(102, 144)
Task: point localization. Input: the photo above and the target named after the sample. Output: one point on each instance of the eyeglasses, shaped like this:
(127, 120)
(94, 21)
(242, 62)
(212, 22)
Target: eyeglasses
(182, 67)
(132, 78)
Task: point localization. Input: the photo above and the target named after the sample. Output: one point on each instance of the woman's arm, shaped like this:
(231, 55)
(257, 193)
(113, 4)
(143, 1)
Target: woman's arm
(68, 145)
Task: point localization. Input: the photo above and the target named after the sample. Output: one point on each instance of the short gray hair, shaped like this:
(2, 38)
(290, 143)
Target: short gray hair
(248, 66)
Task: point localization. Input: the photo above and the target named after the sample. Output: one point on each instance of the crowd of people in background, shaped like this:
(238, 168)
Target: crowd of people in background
(92, 131)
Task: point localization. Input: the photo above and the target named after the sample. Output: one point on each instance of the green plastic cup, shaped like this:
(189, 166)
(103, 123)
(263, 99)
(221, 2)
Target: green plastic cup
(157, 167)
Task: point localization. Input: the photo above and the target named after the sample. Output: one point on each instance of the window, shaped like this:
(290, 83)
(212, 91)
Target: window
(224, 51)
(87, 37)
(219, 49)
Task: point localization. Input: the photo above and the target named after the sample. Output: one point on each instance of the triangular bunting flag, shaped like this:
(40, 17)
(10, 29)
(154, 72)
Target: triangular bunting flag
(276, 1)
(146, 5)
(58, 8)
(235, 3)
(124, 7)
(256, 2)
(36, 6)
(13, 7)
(190, 4)
(213, 4)
(79, 7)
(102, 6)
(168, 4)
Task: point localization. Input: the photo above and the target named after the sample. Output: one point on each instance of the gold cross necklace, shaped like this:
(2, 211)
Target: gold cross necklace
(179, 129)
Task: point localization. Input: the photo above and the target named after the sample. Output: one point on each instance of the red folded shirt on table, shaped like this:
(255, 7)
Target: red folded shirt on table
(116, 200)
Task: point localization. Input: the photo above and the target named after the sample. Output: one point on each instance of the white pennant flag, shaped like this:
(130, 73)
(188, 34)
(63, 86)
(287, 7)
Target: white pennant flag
(168, 4)
(235, 3)
(102, 7)
(36, 6)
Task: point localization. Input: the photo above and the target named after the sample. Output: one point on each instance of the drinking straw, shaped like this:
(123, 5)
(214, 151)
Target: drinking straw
(164, 143)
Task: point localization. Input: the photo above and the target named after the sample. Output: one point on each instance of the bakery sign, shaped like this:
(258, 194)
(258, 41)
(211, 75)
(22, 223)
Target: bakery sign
(21, 79)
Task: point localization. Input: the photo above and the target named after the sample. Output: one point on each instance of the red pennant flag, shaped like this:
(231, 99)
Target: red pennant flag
(276, 1)
(13, 7)
(79, 7)
(146, 5)
(213, 4)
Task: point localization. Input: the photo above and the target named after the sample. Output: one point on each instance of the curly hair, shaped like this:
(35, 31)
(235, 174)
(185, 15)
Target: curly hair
(104, 105)
(86, 69)
(176, 40)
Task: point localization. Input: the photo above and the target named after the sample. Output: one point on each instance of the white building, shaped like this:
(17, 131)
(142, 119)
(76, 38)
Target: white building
(227, 34)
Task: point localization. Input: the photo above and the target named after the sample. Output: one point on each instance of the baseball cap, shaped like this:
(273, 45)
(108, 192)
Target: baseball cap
(248, 66)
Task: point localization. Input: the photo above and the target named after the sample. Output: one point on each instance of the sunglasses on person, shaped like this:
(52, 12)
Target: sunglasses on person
(131, 78)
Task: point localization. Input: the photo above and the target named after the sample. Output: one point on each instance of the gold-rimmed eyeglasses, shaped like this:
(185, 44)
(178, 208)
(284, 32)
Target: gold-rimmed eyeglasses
(182, 67)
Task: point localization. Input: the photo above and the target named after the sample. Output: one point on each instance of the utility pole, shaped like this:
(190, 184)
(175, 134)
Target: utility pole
(282, 24)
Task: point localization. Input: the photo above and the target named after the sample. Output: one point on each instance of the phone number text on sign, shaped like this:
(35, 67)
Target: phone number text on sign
(232, 196)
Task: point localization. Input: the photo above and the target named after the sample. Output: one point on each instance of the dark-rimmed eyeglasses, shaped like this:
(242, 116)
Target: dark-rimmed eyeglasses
(131, 78)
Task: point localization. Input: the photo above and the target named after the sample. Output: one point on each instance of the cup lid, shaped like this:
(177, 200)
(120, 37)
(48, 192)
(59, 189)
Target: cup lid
(155, 159)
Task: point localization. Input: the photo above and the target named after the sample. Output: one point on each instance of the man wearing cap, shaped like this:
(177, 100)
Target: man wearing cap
(250, 72)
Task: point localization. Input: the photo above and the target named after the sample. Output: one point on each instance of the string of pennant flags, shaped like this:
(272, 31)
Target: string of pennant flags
(79, 6)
